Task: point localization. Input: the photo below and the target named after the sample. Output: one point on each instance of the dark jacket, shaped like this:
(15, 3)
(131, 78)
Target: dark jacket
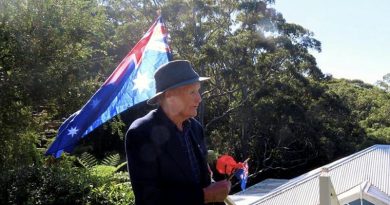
(159, 171)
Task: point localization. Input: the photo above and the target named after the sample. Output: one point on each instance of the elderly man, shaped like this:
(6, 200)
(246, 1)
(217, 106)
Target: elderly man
(165, 149)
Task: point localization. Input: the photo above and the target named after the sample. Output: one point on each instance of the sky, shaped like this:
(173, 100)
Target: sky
(355, 34)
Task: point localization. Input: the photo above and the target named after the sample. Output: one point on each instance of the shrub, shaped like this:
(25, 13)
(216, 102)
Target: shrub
(58, 184)
(112, 187)
(112, 193)
(61, 183)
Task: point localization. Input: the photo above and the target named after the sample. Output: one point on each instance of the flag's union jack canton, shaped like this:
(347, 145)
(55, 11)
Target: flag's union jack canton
(130, 83)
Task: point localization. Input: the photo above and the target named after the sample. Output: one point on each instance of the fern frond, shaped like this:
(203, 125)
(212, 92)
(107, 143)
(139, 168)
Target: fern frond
(111, 160)
(87, 160)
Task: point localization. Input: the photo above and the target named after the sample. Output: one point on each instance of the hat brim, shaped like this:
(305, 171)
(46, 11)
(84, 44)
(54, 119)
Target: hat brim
(153, 100)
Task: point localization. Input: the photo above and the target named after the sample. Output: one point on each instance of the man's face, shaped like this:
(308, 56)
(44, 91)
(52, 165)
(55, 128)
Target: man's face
(185, 100)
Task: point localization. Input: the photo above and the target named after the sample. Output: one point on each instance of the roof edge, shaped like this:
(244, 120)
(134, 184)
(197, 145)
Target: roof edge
(316, 172)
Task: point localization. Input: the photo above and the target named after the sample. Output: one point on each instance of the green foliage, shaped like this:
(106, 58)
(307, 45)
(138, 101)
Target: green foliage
(117, 126)
(370, 107)
(102, 171)
(111, 160)
(61, 183)
(18, 144)
(49, 60)
(49, 35)
(87, 160)
(384, 83)
(113, 187)
(119, 194)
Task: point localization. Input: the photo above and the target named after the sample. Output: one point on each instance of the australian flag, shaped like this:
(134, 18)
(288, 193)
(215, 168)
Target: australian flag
(130, 83)
(242, 175)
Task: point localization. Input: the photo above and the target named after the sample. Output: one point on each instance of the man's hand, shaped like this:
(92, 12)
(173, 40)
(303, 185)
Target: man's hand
(217, 192)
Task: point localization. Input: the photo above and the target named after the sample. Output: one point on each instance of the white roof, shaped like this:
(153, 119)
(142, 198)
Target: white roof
(257, 191)
(370, 165)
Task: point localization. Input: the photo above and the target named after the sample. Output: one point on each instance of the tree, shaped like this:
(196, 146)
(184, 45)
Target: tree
(53, 57)
(370, 106)
(384, 83)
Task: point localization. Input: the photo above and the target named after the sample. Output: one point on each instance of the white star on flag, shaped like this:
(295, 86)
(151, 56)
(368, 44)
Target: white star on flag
(142, 82)
(72, 131)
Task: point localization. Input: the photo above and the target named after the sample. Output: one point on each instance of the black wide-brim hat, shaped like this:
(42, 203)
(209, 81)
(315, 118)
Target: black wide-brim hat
(172, 75)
